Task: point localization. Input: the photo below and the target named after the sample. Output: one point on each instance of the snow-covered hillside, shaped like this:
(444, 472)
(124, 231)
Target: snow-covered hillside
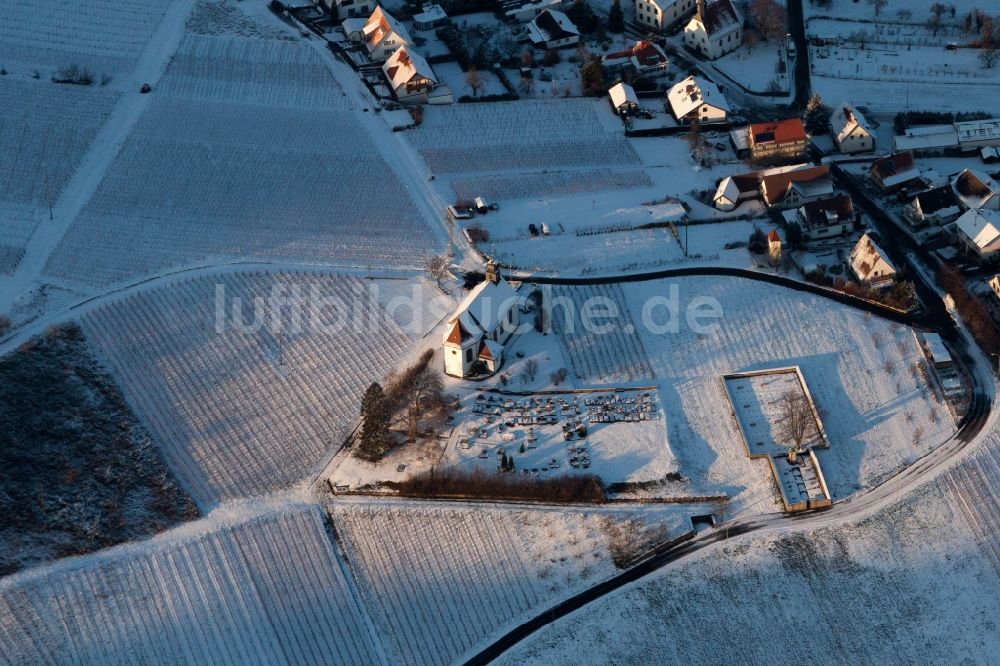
(907, 585)
(263, 588)
(241, 413)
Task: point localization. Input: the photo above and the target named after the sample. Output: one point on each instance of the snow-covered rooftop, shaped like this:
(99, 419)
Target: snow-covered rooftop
(692, 92)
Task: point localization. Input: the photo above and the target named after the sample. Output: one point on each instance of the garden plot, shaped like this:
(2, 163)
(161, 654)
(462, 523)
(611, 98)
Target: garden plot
(237, 181)
(243, 413)
(612, 351)
(100, 35)
(618, 436)
(906, 585)
(43, 137)
(456, 78)
(440, 582)
(757, 402)
(756, 67)
(863, 373)
(265, 590)
(547, 134)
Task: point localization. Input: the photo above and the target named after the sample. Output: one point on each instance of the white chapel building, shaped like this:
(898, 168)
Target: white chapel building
(482, 325)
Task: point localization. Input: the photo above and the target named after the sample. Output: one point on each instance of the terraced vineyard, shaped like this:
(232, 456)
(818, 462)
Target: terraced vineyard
(600, 357)
(267, 591)
(532, 185)
(974, 484)
(241, 413)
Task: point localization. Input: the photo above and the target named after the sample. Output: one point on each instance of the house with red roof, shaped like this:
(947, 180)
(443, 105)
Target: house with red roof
(643, 58)
(896, 172)
(826, 218)
(779, 139)
(789, 189)
(483, 324)
(774, 246)
(715, 29)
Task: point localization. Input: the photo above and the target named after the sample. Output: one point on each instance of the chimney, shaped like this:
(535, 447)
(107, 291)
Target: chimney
(491, 272)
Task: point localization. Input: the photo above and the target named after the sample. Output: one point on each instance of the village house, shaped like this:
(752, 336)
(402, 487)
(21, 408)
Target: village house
(851, 131)
(896, 172)
(979, 233)
(935, 206)
(482, 325)
(344, 9)
(552, 29)
(734, 190)
(523, 11)
(430, 17)
(661, 15)
(410, 76)
(870, 265)
(826, 218)
(781, 139)
(774, 247)
(715, 29)
(789, 189)
(623, 99)
(645, 58)
(383, 34)
(697, 100)
(976, 190)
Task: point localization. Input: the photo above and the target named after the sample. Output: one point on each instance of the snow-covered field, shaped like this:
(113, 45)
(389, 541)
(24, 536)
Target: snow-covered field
(879, 412)
(518, 136)
(242, 413)
(906, 585)
(253, 154)
(548, 183)
(42, 139)
(105, 36)
(974, 487)
(258, 589)
(440, 581)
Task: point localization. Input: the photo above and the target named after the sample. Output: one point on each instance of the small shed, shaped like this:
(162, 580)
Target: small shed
(936, 351)
(431, 17)
(623, 99)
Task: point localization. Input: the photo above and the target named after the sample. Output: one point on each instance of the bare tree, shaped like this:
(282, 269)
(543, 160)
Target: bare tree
(473, 80)
(878, 6)
(558, 377)
(796, 419)
(769, 17)
(438, 268)
(530, 369)
(415, 396)
(528, 57)
(989, 56)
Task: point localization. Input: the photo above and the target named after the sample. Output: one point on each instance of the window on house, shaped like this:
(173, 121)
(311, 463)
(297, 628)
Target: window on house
(468, 355)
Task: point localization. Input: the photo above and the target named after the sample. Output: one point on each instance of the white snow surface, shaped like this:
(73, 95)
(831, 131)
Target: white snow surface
(265, 589)
(243, 413)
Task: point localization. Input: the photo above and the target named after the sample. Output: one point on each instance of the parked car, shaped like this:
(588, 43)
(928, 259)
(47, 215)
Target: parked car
(533, 230)
(545, 229)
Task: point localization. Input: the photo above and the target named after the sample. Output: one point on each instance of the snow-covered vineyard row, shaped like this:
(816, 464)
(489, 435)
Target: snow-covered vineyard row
(242, 413)
(241, 180)
(453, 578)
(267, 591)
(252, 71)
(975, 486)
(102, 35)
(599, 356)
(43, 137)
(559, 183)
(522, 135)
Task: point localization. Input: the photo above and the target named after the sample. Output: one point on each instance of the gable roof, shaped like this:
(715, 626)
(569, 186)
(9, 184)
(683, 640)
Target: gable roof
(773, 237)
(380, 25)
(845, 119)
(622, 93)
(403, 66)
(895, 169)
(490, 349)
(788, 130)
(866, 256)
(775, 186)
(981, 227)
(816, 212)
(720, 17)
(553, 25)
(485, 306)
(939, 198)
(690, 93)
(975, 188)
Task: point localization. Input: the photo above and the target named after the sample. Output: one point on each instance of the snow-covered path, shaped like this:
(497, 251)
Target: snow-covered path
(102, 151)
